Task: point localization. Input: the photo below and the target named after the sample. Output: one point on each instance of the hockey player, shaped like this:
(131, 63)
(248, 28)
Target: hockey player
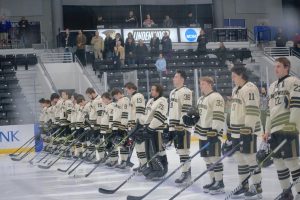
(181, 99)
(95, 115)
(155, 120)
(244, 126)
(65, 111)
(106, 128)
(209, 128)
(283, 123)
(137, 111)
(120, 124)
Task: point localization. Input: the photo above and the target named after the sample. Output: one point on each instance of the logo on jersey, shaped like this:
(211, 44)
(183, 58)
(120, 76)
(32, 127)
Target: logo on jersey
(191, 35)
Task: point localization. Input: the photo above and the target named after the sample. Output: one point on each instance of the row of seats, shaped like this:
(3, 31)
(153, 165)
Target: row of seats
(13, 106)
(19, 59)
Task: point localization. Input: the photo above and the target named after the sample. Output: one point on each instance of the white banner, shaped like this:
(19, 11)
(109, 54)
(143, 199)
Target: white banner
(112, 32)
(14, 136)
(189, 34)
(147, 33)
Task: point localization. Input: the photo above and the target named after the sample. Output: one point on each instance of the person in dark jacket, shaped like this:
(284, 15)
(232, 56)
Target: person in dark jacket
(280, 38)
(130, 52)
(129, 36)
(131, 20)
(118, 37)
(221, 53)
(154, 45)
(108, 46)
(66, 40)
(23, 31)
(141, 52)
(166, 45)
(190, 21)
(202, 41)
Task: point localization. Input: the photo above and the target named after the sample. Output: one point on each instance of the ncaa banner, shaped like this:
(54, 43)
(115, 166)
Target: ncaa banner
(14, 136)
(189, 34)
(146, 34)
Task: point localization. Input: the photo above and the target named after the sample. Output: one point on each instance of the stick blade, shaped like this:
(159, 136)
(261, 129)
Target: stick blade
(44, 167)
(106, 191)
(62, 170)
(129, 197)
(16, 159)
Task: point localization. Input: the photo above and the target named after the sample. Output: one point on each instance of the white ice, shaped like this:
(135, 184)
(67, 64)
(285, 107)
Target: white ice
(22, 181)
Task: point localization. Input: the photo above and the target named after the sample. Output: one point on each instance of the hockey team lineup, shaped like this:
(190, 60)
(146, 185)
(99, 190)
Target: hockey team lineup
(105, 130)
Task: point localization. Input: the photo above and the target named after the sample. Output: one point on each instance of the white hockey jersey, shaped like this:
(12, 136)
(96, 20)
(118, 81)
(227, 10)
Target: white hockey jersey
(96, 111)
(65, 112)
(156, 113)
(284, 104)
(137, 108)
(121, 114)
(211, 112)
(181, 100)
(57, 110)
(80, 115)
(107, 119)
(245, 113)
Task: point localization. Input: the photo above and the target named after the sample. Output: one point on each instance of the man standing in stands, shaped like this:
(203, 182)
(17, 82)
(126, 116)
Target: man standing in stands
(98, 44)
(141, 52)
(5, 26)
(166, 45)
(23, 31)
(154, 45)
(131, 20)
(80, 43)
(168, 22)
(202, 41)
(119, 54)
(108, 46)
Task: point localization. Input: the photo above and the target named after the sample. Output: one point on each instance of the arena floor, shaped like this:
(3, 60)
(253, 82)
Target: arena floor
(20, 180)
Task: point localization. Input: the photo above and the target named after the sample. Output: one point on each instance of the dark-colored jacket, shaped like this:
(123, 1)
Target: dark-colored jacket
(23, 26)
(141, 51)
(154, 44)
(122, 42)
(109, 44)
(202, 41)
(130, 48)
(66, 40)
(281, 40)
(166, 44)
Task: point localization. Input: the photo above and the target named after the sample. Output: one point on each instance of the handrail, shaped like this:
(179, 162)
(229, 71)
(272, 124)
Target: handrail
(295, 53)
(277, 51)
(47, 75)
(65, 57)
(87, 75)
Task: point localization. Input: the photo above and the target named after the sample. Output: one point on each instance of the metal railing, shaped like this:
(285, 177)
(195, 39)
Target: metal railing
(66, 57)
(295, 53)
(85, 73)
(277, 51)
(46, 73)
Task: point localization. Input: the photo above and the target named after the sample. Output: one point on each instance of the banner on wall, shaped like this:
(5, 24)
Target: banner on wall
(14, 136)
(112, 32)
(189, 34)
(146, 34)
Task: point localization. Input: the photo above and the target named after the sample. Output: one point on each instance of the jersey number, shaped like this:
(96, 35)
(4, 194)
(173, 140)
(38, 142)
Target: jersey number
(297, 88)
(187, 97)
(251, 96)
(277, 101)
(219, 103)
(139, 100)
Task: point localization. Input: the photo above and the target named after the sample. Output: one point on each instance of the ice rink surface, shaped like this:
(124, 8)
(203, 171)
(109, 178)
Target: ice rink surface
(22, 181)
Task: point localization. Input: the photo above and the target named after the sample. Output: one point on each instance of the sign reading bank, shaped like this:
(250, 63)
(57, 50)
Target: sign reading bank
(14, 136)
(189, 34)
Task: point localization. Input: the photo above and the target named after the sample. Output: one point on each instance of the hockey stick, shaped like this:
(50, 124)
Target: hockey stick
(207, 170)
(107, 191)
(92, 143)
(26, 153)
(31, 160)
(60, 155)
(82, 161)
(25, 144)
(281, 195)
(256, 169)
(129, 197)
(119, 144)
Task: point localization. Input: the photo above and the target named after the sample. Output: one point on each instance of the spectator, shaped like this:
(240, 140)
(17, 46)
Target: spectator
(202, 41)
(108, 46)
(129, 36)
(190, 21)
(141, 52)
(98, 45)
(161, 64)
(80, 43)
(130, 51)
(66, 40)
(119, 54)
(166, 45)
(264, 99)
(168, 22)
(23, 31)
(118, 37)
(280, 38)
(296, 41)
(222, 53)
(5, 26)
(100, 22)
(131, 20)
(154, 45)
(148, 22)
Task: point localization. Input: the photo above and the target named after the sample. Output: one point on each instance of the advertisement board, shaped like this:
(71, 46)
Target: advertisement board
(146, 34)
(189, 34)
(14, 136)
